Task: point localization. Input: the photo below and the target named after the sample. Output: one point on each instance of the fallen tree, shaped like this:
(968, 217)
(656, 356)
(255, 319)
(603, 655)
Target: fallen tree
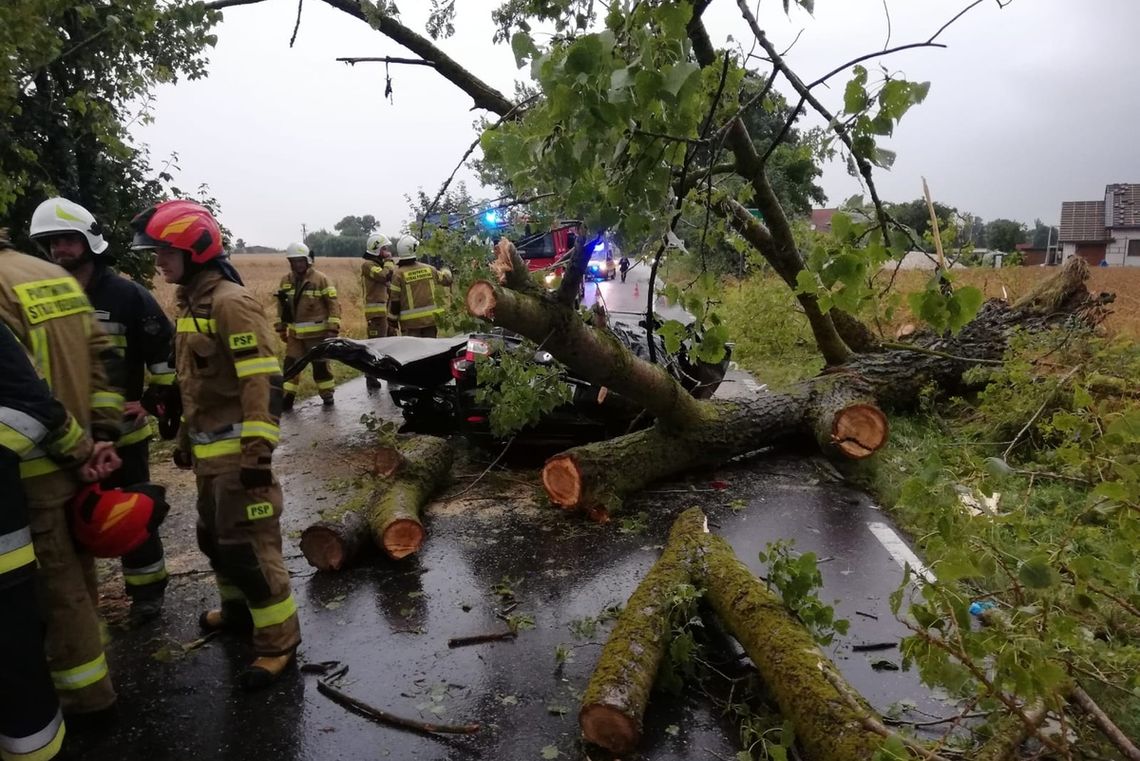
(385, 509)
(841, 410)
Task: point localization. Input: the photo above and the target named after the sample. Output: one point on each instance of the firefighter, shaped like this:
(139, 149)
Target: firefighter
(375, 274)
(230, 381)
(31, 723)
(49, 313)
(414, 300)
(142, 334)
(310, 313)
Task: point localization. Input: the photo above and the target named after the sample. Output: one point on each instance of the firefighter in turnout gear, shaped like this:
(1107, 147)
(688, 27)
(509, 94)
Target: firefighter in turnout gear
(375, 274)
(230, 380)
(414, 298)
(310, 313)
(48, 312)
(142, 334)
(31, 723)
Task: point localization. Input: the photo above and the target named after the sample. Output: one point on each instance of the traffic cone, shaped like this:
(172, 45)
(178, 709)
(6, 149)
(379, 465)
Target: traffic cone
(635, 291)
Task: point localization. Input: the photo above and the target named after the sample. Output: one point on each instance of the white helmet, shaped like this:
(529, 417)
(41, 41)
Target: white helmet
(377, 242)
(59, 215)
(406, 246)
(298, 251)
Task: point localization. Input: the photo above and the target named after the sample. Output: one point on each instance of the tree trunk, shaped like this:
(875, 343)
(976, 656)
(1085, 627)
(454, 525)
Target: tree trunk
(792, 666)
(386, 508)
(801, 678)
(615, 699)
(840, 409)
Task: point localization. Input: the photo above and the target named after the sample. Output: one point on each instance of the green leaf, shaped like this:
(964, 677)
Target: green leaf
(841, 226)
(1036, 573)
(963, 305)
(585, 55)
(551, 751)
(678, 76)
(523, 47)
(855, 94)
(672, 332)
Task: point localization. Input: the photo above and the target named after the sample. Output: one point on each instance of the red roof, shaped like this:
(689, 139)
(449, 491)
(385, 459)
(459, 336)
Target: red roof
(821, 219)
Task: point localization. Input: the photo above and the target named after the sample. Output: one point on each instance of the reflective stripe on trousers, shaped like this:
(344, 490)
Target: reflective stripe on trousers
(38, 746)
(146, 575)
(16, 550)
(83, 675)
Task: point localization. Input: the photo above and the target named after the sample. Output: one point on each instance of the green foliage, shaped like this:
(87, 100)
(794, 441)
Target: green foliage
(1005, 234)
(706, 336)
(797, 577)
(323, 243)
(519, 391)
(76, 74)
(871, 113)
(1061, 556)
(680, 662)
(356, 227)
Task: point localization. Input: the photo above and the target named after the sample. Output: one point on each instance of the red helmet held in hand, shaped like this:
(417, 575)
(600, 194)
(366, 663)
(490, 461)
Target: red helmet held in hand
(109, 523)
(184, 225)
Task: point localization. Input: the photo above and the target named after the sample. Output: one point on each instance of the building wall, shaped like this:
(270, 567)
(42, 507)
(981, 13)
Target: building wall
(1092, 253)
(1116, 252)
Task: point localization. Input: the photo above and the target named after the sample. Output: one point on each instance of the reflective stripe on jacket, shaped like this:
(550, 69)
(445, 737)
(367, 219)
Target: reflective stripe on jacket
(315, 306)
(229, 376)
(48, 312)
(374, 278)
(413, 296)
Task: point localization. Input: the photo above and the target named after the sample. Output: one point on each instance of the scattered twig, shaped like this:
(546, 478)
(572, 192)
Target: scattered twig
(472, 485)
(935, 353)
(478, 639)
(871, 616)
(871, 647)
(935, 722)
(328, 671)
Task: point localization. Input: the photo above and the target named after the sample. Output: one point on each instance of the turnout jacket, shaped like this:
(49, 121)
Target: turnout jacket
(375, 274)
(414, 298)
(140, 332)
(229, 374)
(47, 310)
(315, 309)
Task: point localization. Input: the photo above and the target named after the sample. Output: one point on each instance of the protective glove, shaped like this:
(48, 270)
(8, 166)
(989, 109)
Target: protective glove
(182, 459)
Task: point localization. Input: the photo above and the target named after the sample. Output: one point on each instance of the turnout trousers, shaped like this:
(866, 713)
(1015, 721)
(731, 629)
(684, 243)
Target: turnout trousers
(144, 568)
(322, 376)
(241, 535)
(31, 724)
(68, 598)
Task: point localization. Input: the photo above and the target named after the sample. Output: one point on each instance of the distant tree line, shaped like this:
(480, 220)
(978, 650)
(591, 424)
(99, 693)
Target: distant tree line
(969, 229)
(351, 233)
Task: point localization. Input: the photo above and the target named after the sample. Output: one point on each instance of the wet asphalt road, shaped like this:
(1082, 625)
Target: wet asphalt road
(390, 621)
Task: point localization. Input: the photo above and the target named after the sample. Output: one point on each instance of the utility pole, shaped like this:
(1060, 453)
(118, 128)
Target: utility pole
(304, 232)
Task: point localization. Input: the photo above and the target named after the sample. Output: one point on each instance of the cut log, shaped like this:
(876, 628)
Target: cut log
(845, 418)
(385, 508)
(830, 724)
(795, 670)
(615, 699)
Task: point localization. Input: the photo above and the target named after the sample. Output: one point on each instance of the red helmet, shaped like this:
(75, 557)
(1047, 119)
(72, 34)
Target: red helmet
(184, 225)
(109, 523)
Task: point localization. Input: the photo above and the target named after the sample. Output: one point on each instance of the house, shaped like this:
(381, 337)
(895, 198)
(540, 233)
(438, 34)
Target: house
(1032, 256)
(1105, 231)
(821, 219)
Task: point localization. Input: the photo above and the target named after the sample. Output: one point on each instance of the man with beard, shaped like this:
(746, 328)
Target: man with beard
(142, 334)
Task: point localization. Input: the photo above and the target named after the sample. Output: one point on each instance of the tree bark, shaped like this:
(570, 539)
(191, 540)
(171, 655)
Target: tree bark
(385, 509)
(801, 678)
(840, 409)
(615, 699)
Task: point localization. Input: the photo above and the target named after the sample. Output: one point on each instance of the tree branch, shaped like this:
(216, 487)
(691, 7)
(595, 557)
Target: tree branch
(387, 59)
(485, 96)
(1122, 742)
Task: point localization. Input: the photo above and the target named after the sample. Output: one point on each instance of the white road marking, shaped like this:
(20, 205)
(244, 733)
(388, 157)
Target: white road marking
(900, 551)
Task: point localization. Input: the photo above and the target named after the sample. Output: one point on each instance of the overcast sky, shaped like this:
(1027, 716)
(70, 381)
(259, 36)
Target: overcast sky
(1030, 105)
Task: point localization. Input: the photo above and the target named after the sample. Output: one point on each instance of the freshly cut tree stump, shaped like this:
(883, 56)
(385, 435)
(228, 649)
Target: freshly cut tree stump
(387, 507)
(615, 699)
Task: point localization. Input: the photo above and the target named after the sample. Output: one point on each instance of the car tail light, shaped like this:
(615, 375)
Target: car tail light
(476, 419)
(459, 367)
(477, 348)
